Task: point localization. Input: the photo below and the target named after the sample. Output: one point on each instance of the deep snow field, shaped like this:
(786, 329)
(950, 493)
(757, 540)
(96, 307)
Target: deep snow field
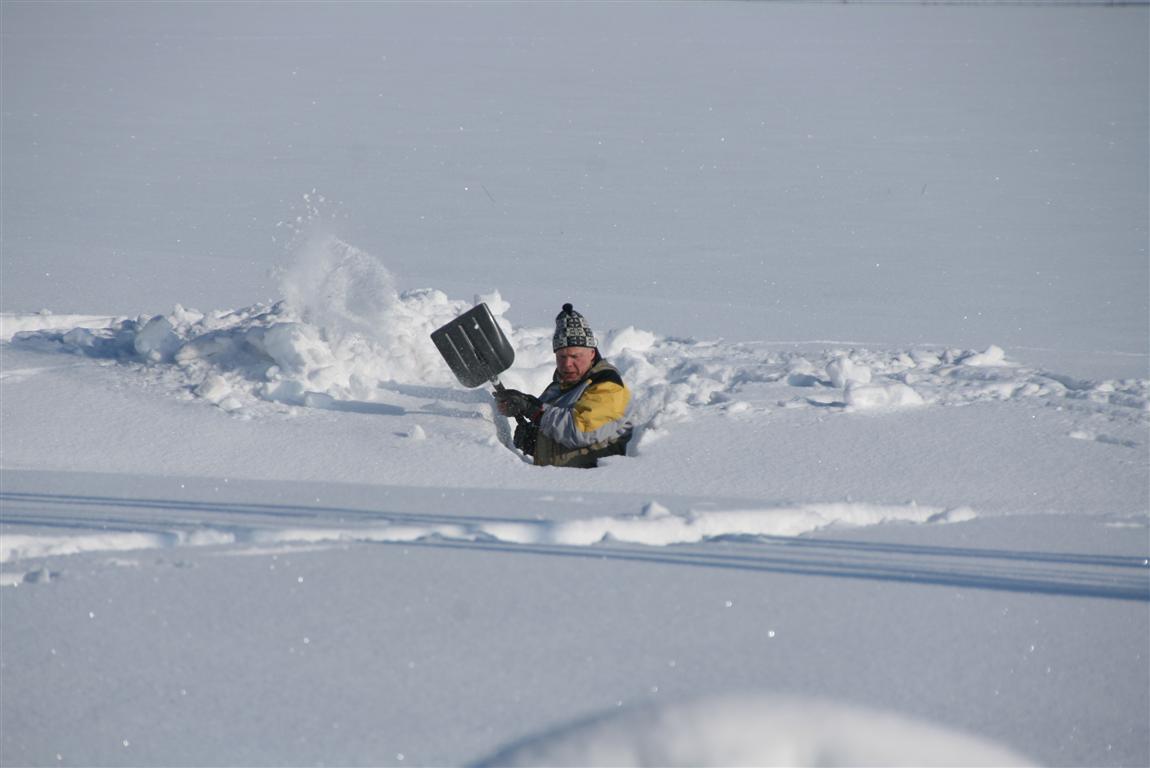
(877, 276)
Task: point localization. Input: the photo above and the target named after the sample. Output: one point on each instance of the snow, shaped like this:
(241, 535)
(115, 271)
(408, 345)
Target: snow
(755, 731)
(876, 275)
(892, 394)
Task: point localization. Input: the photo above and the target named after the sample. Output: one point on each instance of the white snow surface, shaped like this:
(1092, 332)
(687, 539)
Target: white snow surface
(876, 275)
(754, 730)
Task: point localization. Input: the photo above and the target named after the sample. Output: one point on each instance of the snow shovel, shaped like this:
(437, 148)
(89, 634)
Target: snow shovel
(474, 347)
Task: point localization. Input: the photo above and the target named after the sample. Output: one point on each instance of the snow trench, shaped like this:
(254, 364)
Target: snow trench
(343, 333)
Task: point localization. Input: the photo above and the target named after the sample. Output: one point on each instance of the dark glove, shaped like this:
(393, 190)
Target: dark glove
(525, 436)
(512, 402)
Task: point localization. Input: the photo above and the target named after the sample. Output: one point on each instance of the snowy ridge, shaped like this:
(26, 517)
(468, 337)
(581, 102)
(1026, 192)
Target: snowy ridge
(655, 526)
(762, 540)
(12, 323)
(343, 334)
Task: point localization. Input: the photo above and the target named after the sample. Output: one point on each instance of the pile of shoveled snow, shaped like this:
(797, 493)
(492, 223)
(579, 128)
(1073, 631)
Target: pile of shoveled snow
(755, 730)
(44, 320)
(343, 330)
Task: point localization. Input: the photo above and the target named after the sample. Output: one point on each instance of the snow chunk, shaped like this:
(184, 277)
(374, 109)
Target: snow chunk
(843, 371)
(925, 359)
(892, 394)
(214, 389)
(993, 356)
(629, 338)
(755, 729)
(157, 341)
(217, 390)
(494, 301)
(295, 348)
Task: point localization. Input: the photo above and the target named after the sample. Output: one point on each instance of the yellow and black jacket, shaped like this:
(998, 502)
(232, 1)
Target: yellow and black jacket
(581, 422)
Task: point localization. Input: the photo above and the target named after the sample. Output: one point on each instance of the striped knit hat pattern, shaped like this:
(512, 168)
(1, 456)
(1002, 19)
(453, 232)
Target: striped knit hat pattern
(571, 330)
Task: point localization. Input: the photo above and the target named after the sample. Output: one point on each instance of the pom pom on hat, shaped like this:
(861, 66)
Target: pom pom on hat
(571, 330)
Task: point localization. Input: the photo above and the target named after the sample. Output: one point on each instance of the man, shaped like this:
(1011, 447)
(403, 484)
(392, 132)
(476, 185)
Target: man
(581, 416)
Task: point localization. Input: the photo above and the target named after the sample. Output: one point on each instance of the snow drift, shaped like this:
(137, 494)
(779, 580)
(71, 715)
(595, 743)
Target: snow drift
(754, 730)
(343, 330)
(655, 526)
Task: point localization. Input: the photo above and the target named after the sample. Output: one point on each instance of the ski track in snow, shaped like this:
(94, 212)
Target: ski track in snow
(128, 533)
(152, 527)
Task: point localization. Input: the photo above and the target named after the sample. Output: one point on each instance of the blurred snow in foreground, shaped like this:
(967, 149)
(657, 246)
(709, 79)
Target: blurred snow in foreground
(754, 730)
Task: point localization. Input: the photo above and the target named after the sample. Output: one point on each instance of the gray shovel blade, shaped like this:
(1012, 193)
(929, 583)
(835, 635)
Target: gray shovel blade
(474, 347)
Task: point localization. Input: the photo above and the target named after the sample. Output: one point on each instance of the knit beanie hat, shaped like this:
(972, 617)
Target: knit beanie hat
(571, 330)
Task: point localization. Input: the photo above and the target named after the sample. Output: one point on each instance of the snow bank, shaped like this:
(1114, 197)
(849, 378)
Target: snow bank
(13, 323)
(344, 333)
(341, 330)
(654, 526)
(754, 730)
(18, 546)
(659, 527)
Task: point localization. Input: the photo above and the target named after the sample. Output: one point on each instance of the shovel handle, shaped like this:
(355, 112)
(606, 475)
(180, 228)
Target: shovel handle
(499, 388)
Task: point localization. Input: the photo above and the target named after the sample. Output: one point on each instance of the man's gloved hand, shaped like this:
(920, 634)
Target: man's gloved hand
(512, 402)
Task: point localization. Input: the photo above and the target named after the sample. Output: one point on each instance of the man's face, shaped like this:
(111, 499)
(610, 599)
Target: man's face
(573, 362)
